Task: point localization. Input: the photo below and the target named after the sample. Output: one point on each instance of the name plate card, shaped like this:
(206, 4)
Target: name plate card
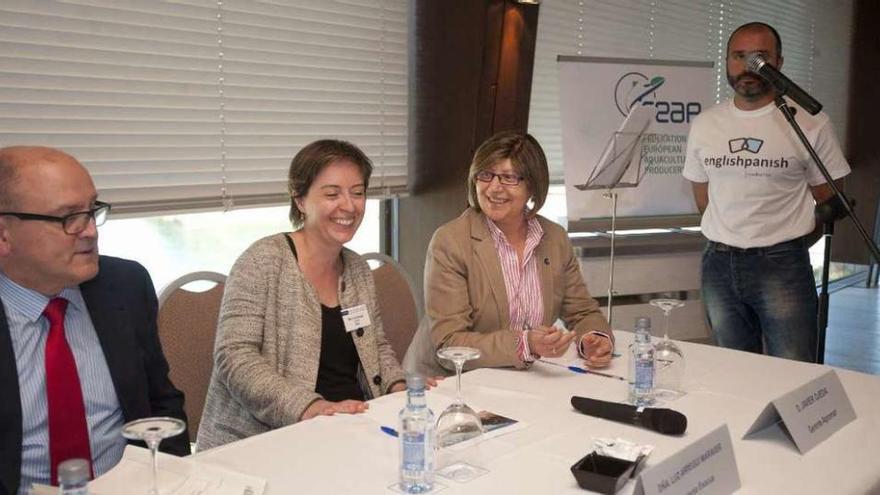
(810, 413)
(707, 467)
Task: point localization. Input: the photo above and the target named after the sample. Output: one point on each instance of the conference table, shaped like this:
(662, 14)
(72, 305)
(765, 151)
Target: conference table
(350, 453)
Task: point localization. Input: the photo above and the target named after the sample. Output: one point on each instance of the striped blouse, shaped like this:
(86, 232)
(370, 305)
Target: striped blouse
(524, 297)
(525, 300)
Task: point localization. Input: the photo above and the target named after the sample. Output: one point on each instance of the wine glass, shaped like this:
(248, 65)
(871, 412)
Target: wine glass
(152, 431)
(668, 355)
(458, 422)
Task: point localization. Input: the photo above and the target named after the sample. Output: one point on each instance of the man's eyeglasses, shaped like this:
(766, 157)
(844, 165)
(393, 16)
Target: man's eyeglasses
(505, 179)
(73, 223)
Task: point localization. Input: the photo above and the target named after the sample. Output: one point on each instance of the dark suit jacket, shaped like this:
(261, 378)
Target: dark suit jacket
(122, 304)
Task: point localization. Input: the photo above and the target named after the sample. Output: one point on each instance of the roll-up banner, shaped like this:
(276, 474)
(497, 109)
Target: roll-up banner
(596, 94)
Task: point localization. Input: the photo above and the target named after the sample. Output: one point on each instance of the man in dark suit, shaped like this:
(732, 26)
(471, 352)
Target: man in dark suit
(79, 351)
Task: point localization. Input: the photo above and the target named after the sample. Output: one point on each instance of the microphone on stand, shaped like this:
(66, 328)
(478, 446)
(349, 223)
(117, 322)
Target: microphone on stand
(784, 86)
(665, 421)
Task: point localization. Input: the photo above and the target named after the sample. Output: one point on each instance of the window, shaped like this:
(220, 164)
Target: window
(173, 245)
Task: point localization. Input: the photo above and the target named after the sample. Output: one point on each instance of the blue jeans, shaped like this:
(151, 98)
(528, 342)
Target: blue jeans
(762, 298)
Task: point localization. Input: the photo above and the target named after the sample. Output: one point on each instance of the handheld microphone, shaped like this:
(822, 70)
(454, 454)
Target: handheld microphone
(665, 421)
(784, 86)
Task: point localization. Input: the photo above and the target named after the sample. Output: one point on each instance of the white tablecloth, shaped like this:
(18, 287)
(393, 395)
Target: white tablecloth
(349, 454)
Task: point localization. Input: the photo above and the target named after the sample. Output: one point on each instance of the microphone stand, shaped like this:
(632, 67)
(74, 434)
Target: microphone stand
(827, 216)
(829, 225)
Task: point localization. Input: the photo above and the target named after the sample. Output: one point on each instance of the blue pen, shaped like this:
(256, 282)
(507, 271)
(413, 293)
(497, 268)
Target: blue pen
(583, 371)
(389, 431)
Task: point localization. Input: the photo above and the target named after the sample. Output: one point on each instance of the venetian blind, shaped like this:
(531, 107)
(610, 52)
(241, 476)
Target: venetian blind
(184, 104)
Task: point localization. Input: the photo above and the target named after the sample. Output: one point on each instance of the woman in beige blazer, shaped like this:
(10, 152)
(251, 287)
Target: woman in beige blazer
(499, 276)
(287, 347)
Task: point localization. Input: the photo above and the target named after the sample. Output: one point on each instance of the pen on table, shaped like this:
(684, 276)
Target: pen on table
(583, 371)
(389, 431)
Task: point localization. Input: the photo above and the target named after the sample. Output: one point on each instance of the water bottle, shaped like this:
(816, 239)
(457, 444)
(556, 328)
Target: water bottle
(641, 365)
(73, 477)
(416, 439)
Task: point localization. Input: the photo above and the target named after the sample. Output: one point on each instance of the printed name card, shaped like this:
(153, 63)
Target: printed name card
(707, 467)
(810, 413)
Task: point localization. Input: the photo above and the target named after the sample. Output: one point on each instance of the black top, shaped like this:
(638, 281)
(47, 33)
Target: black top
(338, 366)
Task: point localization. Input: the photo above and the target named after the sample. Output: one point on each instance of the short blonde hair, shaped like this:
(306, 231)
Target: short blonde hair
(526, 157)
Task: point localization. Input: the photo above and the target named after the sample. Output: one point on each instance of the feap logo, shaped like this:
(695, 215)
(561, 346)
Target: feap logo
(635, 88)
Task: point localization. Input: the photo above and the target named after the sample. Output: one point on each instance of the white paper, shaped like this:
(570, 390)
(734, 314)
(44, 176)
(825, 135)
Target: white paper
(177, 476)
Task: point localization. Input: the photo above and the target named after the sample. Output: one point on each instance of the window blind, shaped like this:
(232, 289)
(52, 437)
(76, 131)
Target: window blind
(816, 38)
(195, 104)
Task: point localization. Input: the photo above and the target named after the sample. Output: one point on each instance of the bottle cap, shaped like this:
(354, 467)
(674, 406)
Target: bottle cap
(73, 471)
(415, 381)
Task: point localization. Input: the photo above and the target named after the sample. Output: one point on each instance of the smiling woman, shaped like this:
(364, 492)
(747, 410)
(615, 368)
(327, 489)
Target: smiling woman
(300, 334)
(500, 275)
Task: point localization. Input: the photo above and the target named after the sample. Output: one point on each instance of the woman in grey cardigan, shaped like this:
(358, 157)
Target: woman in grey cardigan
(300, 334)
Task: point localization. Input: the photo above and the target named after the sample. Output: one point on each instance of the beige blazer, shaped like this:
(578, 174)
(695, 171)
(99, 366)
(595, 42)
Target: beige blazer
(467, 302)
(268, 343)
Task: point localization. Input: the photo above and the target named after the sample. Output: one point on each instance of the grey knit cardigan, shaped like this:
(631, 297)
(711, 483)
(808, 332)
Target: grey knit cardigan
(268, 343)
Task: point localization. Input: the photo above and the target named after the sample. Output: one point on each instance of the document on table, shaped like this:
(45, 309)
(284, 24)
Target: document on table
(384, 410)
(177, 476)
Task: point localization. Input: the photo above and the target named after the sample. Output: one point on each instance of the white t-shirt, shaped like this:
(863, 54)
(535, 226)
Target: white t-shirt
(759, 172)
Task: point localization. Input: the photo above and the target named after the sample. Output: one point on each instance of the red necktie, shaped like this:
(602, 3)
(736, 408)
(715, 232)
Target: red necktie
(68, 430)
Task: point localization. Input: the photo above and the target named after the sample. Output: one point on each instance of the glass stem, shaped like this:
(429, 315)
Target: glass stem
(153, 444)
(458, 366)
(666, 330)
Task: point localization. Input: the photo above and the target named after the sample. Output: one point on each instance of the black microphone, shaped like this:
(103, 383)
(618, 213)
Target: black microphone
(665, 421)
(784, 86)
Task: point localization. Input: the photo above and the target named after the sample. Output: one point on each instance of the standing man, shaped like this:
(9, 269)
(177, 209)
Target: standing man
(757, 187)
(79, 351)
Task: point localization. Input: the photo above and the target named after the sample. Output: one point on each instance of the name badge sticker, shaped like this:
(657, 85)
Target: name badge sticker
(355, 317)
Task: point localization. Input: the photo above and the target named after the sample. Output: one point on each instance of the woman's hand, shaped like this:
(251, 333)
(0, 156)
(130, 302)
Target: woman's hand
(323, 407)
(430, 383)
(597, 350)
(549, 341)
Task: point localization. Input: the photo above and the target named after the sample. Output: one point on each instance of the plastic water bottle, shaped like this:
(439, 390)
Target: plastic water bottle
(641, 365)
(73, 477)
(416, 439)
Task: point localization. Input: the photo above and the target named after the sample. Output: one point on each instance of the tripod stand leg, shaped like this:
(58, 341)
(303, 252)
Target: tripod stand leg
(822, 317)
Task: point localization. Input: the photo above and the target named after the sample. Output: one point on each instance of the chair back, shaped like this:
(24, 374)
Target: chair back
(399, 305)
(187, 325)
